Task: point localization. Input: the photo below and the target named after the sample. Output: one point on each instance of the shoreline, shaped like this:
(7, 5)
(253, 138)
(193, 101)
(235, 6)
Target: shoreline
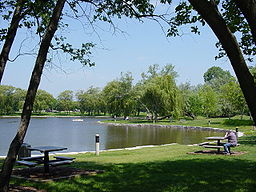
(106, 150)
(171, 126)
(56, 116)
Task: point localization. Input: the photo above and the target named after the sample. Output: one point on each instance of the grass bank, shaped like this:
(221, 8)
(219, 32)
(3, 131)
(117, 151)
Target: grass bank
(165, 168)
(161, 169)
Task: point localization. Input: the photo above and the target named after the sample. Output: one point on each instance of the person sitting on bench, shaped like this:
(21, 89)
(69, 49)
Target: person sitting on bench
(232, 141)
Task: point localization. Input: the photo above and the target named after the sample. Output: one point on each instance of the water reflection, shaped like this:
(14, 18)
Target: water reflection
(126, 136)
(80, 136)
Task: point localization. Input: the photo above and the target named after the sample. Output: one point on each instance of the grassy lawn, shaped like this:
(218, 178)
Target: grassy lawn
(164, 168)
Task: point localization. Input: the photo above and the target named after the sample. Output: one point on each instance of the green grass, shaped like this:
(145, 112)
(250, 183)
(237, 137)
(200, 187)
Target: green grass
(161, 169)
(165, 168)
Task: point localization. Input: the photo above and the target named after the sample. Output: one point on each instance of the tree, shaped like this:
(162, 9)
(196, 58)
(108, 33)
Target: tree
(192, 104)
(11, 99)
(65, 101)
(248, 8)
(17, 16)
(118, 95)
(215, 73)
(89, 101)
(82, 101)
(30, 97)
(43, 101)
(155, 70)
(232, 100)
(253, 72)
(208, 10)
(6, 99)
(139, 105)
(104, 11)
(23, 10)
(224, 28)
(19, 98)
(151, 87)
(209, 101)
(162, 97)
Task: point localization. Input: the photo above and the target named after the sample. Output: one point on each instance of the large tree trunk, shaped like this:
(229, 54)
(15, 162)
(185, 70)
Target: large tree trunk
(248, 8)
(209, 12)
(30, 97)
(17, 16)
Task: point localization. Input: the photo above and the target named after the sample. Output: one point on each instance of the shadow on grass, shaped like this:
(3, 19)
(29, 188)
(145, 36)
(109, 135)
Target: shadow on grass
(182, 175)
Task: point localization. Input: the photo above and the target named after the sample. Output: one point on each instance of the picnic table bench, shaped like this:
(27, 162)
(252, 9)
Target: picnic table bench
(213, 146)
(35, 158)
(27, 163)
(64, 158)
(61, 162)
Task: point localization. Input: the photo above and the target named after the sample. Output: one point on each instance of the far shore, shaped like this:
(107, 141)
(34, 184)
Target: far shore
(59, 116)
(240, 134)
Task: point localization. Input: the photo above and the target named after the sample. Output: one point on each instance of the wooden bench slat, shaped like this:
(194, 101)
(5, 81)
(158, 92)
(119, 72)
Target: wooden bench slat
(213, 146)
(32, 158)
(204, 143)
(57, 163)
(217, 146)
(27, 163)
(64, 158)
(221, 143)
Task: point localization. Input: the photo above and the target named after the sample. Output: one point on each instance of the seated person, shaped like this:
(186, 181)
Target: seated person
(232, 141)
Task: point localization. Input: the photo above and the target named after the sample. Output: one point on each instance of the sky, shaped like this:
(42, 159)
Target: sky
(142, 45)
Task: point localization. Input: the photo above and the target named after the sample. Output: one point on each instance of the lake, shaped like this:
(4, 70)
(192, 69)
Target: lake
(79, 136)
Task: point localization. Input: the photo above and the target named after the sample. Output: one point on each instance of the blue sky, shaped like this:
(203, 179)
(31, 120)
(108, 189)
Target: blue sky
(141, 45)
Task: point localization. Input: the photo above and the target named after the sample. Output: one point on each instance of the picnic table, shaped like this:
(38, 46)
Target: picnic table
(46, 150)
(59, 160)
(217, 140)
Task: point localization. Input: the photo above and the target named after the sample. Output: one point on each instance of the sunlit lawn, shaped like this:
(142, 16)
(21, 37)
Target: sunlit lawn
(164, 168)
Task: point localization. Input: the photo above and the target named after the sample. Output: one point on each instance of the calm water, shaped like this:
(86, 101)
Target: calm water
(80, 136)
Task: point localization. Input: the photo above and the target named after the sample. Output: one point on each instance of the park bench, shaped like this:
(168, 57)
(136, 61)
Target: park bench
(27, 163)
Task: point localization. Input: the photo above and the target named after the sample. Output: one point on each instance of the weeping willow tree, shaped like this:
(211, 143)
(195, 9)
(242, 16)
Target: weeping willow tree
(162, 97)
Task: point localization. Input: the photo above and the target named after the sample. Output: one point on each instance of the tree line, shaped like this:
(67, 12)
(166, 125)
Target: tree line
(157, 94)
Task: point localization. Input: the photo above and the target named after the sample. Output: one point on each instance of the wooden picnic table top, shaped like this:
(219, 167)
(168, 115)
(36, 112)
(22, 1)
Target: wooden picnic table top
(43, 149)
(215, 138)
